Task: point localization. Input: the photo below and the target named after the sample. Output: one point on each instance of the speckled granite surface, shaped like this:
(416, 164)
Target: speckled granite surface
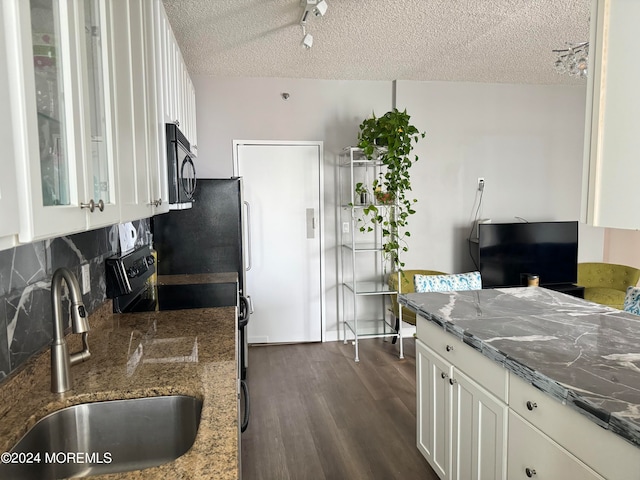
(583, 354)
(117, 369)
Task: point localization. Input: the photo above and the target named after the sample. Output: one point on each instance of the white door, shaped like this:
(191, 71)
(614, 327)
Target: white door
(282, 188)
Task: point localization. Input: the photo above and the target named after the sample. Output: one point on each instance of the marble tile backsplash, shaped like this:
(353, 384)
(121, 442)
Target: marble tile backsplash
(26, 323)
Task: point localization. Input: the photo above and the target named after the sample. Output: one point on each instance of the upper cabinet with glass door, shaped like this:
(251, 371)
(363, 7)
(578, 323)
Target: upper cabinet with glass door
(10, 224)
(99, 144)
(62, 117)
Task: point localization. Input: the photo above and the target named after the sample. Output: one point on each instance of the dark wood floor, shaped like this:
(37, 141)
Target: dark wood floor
(316, 414)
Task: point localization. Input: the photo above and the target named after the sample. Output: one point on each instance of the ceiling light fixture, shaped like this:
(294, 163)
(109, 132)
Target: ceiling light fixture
(573, 60)
(316, 7)
(321, 9)
(307, 41)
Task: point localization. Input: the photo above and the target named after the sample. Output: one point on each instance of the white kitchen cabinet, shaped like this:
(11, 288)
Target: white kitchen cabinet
(612, 143)
(601, 450)
(61, 115)
(140, 150)
(534, 455)
(461, 427)
(479, 431)
(157, 135)
(178, 93)
(191, 115)
(498, 426)
(10, 224)
(434, 409)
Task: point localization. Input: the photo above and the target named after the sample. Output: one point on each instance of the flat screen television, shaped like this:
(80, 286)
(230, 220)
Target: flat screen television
(510, 251)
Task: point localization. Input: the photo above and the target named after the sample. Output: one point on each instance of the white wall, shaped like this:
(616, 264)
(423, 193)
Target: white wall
(525, 140)
(253, 109)
(622, 247)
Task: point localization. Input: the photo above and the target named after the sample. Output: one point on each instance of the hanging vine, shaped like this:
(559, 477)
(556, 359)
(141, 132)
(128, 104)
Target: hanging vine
(390, 139)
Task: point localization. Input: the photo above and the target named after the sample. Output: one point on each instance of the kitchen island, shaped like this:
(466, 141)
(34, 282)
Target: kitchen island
(182, 352)
(549, 364)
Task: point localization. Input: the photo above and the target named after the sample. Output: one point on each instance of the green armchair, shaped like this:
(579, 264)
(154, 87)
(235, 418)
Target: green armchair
(406, 278)
(606, 283)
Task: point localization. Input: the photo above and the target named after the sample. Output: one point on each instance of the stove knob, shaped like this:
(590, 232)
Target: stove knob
(132, 272)
(150, 260)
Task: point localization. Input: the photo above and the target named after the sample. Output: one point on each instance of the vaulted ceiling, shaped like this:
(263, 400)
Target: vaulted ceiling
(496, 41)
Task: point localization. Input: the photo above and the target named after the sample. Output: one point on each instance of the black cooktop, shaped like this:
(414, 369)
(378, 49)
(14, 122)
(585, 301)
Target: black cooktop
(178, 297)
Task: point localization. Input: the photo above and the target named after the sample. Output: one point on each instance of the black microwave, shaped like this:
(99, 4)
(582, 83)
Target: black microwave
(181, 170)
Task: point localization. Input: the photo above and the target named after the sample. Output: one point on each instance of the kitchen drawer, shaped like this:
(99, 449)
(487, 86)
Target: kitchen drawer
(531, 454)
(489, 374)
(605, 452)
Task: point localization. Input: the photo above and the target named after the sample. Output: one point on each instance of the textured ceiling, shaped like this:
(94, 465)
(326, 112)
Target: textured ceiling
(503, 41)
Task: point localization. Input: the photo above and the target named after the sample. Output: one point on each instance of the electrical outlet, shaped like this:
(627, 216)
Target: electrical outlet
(345, 227)
(86, 279)
(480, 184)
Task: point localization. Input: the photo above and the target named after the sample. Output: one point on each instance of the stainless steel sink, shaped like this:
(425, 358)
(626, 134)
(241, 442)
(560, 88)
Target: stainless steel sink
(106, 437)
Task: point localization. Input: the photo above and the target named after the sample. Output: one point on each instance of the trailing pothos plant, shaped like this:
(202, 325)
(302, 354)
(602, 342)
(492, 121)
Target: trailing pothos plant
(390, 139)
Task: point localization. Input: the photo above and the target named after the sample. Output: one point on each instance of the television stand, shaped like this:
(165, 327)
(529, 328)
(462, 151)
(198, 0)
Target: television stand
(568, 288)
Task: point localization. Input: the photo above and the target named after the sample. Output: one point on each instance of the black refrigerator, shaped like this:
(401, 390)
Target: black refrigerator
(207, 238)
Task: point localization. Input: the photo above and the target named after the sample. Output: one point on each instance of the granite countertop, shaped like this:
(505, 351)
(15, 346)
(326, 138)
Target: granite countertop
(583, 354)
(193, 353)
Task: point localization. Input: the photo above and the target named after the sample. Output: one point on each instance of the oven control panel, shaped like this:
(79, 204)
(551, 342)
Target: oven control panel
(139, 267)
(127, 273)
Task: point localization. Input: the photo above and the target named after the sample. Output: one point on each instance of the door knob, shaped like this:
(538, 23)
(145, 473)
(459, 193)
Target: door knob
(530, 472)
(531, 405)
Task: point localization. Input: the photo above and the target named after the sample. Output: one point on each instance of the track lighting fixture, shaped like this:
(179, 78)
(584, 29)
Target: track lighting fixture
(316, 7)
(307, 41)
(321, 8)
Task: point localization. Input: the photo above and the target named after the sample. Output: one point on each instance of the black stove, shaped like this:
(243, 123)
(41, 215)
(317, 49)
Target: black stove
(128, 285)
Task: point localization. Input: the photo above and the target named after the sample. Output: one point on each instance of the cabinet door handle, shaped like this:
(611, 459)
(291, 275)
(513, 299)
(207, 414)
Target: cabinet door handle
(452, 381)
(100, 205)
(530, 472)
(449, 348)
(249, 255)
(444, 375)
(91, 205)
(531, 405)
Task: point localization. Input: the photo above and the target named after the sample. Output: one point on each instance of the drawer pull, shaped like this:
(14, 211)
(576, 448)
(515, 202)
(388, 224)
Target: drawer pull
(449, 348)
(530, 472)
(530, 406)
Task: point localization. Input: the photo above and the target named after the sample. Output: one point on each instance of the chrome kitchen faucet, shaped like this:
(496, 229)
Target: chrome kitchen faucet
(61, 361)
